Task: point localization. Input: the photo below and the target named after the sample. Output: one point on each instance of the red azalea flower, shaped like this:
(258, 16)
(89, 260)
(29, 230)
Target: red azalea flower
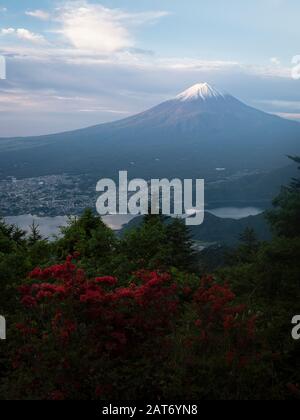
(109, 280)
(29, 302)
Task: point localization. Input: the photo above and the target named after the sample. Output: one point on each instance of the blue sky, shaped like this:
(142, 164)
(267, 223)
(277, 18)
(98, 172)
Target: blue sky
(76, 63)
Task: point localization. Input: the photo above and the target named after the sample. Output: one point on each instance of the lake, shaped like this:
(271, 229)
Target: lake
(50, 226)
(235, 212)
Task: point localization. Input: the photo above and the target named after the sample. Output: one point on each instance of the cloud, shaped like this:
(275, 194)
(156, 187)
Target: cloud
(90, 67)
(39, 14)
(288, 115)
(81, 28)
(271, 71)
(90, 34)
(29, 36)
(282, 108)
(92, 27)
(275, 61)
(24, 34)
(142, 18)
(195, 64)
(3, 9)
(7, 31)
(103, 109)
(58, 94)
(277, 103)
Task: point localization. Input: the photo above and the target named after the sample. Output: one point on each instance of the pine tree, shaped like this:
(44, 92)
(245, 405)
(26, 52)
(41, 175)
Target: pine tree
(35, 235)
(89, 236)
(249, 239)
(180, 243)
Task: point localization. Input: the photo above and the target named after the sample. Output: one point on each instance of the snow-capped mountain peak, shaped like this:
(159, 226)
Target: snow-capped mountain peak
(201, 91)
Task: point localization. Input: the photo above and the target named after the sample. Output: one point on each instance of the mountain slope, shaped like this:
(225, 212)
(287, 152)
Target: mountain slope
(189, 136)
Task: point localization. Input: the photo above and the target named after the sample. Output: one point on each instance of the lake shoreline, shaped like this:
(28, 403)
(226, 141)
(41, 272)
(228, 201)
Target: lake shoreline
(50, 225)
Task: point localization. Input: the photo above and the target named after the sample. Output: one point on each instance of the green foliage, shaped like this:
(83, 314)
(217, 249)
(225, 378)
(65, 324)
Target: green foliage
(35, 235)
(76, 337)
(11, 237)
(18, 255)
(246, 251)
(90, 237)
(158, 243)
(286, 215)
(191, 355)
(266, 277)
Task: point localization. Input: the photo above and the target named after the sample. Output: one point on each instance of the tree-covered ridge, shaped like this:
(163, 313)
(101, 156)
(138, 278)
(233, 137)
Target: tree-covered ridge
(95, 316)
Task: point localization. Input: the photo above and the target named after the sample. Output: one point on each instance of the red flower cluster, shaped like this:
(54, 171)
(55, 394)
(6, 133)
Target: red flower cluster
(219, 321)
(110, 321)
(85, 327)
(108, 280)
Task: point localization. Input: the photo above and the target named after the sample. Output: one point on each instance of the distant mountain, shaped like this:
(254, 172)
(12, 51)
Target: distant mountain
(190, 135)
(228, 231)
(221, 231)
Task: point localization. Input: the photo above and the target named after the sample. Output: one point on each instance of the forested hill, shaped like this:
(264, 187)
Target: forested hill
(218, 230)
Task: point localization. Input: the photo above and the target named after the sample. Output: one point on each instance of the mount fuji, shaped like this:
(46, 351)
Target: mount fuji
(191, 135)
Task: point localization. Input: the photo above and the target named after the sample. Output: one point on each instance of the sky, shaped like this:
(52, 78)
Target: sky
(77, 63)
